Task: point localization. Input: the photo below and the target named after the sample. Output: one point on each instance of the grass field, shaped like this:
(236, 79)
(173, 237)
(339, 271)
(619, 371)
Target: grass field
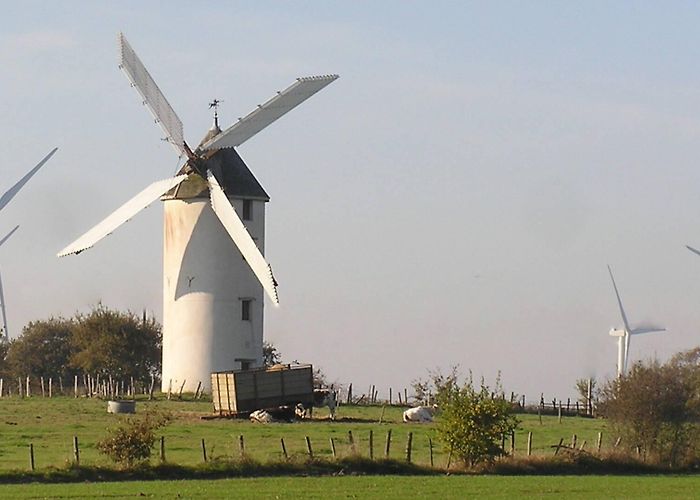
(385, 487)
(50, 424)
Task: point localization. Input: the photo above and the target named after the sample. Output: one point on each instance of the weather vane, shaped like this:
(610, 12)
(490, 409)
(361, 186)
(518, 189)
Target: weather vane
(215, 104)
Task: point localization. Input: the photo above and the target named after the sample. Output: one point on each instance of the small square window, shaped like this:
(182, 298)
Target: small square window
(245, 309)
(247, 209)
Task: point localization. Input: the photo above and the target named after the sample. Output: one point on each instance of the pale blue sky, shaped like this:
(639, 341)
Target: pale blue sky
(453, 198)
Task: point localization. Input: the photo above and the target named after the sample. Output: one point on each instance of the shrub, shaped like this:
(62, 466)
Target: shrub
(473, 423)
(132, 441)
(655, 408)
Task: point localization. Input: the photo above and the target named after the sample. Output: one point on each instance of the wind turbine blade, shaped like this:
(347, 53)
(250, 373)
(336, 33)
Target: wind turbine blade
(627, 351)
(122, 214)
(153, 98)
(240, 236)
(619, 301)
(651, 329)
(5, 335)
(269, 112)
(10, 193)
(8, 235)
(692, 249)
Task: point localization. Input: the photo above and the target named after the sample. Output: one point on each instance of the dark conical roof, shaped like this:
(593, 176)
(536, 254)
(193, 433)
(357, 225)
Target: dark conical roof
(233, 174)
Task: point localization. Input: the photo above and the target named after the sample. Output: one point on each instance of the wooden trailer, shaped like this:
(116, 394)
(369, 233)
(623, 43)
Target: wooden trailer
(243, 391)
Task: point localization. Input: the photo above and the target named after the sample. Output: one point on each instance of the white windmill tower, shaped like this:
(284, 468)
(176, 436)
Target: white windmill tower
(4, 200)
(213, 264)
(623, 335)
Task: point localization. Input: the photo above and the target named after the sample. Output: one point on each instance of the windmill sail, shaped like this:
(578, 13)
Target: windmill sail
(5, 335)
(240, 236)
(122, 214)
(8, 235)
(269, 112)
(10, 193)
(153, 98)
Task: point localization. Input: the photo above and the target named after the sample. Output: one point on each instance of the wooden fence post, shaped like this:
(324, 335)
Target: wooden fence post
(31, 456)
(1, 382)
(399, 395)
(308, 447)
(50, 387)
(600, 441)
(558, 447)
(150, 390)
(390, 398)
(333, 447)
(170, 388)
(409, 446)
(512, 442)
(179, 394)
(430, 447)
(381, 417)
(529, 444)
(241, 446)
(28, 391)
(162, 449)
(574, 438)
(349, 401)
(76, 451)
(204, 450)
(352, 442)
(75, 386)
(405, 396)
(284, 449)
(371, 445)
(388, 444)
(43, 390)
(449, 459)
(560, 413)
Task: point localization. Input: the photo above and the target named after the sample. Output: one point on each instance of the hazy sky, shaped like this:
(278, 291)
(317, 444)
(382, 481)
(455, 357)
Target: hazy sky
(453, 199)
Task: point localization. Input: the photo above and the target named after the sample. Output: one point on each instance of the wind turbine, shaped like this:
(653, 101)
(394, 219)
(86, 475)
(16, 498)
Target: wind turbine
(4, 333)
(213, 265)
(623, 335)
(4, 200)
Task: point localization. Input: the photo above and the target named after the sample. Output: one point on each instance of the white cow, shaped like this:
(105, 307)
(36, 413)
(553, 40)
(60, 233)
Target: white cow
(420, 414)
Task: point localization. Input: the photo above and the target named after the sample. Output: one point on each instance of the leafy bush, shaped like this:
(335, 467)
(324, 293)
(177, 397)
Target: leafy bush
(473, 423)
(132, 441)
(656, 408)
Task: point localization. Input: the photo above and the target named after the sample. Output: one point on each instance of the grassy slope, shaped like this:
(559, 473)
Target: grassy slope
(385, 487)
(50, 424)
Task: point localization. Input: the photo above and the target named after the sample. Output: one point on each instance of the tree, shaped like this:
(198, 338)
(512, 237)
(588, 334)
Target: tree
(586, 398)
(44, 349)
(271, 356)
(655, 407)
(473, 424)
(437, 385)
(118, 344)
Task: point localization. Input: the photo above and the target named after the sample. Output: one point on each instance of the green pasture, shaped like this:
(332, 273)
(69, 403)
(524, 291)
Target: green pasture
(50, 424)
(385, 487)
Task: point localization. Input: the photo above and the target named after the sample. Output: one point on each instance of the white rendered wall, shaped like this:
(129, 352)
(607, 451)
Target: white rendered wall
(204, 280)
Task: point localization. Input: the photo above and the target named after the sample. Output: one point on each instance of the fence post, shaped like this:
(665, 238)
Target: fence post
(430, 446)
(333, 447)
(409, 446)
(449, 459)
(390, 398)
(284, 449)
(381, 417)
(388, 444)
(1, 382)
(560, 413)
(43, 390)
(308, 447)
(529, 444)
(600, 441)
(204, 450)
(371, 445)
(50, 387)
(349, 394)
(150, 390)
(512, 442)
(352, 442)
(558, 447)
(241, 446)
(76, 450)
(31, 456)
(574, 438)
(75, 386)
(28, 391)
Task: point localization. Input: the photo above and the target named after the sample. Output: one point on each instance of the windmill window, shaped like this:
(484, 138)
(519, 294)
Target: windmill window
(245, 309)
(247, 209)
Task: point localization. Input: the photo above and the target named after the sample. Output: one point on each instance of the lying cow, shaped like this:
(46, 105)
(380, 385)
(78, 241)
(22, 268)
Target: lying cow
(322, 397)
(269, 415)
(420, 414)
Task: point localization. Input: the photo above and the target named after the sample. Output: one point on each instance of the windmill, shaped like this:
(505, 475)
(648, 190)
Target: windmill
(4, 333)
(213, 262)
(4, 200)
(623, 335)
